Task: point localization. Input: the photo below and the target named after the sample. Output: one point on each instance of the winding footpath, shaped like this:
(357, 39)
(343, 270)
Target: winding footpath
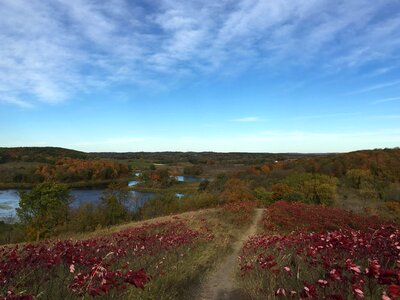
(221, 284)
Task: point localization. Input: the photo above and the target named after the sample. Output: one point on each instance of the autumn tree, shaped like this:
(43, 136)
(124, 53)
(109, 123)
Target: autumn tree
(265, 168)
(44, 209)
(280, 191)
(161, 178)
(71, 170)
(236, 190)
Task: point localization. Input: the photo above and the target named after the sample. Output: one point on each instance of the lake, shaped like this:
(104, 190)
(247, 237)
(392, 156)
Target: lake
(9, 199)
(189, 179)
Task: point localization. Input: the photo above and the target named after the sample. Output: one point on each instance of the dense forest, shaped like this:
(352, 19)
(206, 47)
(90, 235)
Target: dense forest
(37, 154)
(19, 166)
(35, 164)
(25, 166)
(204, 157)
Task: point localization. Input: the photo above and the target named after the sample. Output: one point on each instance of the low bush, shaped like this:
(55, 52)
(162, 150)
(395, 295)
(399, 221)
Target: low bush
(284, 216)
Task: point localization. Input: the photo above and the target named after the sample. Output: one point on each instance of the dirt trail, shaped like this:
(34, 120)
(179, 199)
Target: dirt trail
(221, 284)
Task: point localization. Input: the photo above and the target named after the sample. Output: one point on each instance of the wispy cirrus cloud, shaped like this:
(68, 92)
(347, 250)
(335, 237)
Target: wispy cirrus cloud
(385, 117)
(80, 46)
(16, 101)
(375, 87)
(384, 100)
(247, 119)
(327, 116)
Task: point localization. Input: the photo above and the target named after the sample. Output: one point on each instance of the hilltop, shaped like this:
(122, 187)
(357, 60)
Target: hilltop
(230, 252)
(37, 154)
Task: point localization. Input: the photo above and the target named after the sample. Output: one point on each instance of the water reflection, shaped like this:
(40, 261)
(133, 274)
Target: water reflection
(9, 200)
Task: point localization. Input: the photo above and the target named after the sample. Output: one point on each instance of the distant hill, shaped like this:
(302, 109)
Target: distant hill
(381, 162)
(330, 163)
(32, 165)
(38, 154)
(229, 158)
(50, 154)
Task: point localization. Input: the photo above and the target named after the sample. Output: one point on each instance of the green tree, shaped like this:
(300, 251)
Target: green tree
(114, 201)
(311, 188)
(357, 177)
(263, 196)
(295, 196)
(86, 217)
(163, 204)
(325, 193)
(366, 185)
(280, 191)
(44, 209)
(321, 189)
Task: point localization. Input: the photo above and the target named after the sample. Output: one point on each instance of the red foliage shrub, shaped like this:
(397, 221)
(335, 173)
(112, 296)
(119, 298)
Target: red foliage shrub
(93, 266)
(341, 264)
(306, 217)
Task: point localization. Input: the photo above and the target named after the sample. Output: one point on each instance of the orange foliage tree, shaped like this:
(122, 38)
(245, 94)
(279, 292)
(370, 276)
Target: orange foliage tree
(69, 169)
(236, 190)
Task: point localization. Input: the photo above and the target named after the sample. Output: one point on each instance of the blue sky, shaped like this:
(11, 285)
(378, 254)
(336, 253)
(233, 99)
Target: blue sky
(243, 75)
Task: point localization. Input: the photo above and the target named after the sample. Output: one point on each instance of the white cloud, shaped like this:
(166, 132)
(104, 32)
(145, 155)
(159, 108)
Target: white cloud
(17, 102)
(247, 119)
(51, 51)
